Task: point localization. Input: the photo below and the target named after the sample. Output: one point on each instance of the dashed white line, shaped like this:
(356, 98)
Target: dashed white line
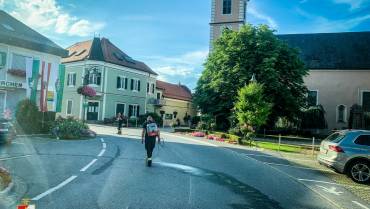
(361, 205)
(101, 153)
(102, 140)
(104, 145)
(299, 167)
(65, 182)
(88, 165)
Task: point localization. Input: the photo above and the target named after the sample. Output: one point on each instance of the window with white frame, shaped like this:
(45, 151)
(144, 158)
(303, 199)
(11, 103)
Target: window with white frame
(19, 62)
(133, 110)
(226, 7)
(95, 79)
(153, 88)
(135, 84)
(312, 97)
(71, 79)
(341, 113)
(69, 107)
(121, 82)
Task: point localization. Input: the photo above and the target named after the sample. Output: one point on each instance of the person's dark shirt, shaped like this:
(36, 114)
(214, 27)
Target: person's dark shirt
(145, 129)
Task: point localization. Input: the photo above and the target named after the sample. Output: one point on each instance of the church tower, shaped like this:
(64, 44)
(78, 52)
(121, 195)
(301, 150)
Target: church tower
(229, 14)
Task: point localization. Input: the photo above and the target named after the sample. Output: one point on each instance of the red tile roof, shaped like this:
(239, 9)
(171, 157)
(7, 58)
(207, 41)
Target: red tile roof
(103, 50)
(174, 91)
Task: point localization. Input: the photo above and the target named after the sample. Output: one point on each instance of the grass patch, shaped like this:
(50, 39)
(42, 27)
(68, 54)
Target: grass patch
(5, 178)
(274, 146)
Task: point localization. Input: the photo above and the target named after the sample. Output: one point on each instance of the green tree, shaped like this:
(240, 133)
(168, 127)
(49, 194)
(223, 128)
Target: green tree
(251, 109)
(236, 56)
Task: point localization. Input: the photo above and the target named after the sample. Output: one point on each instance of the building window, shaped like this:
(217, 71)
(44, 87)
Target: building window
(71, 79)
(363, 140)
(2, 59)
(133, 110)
(147, 87)
(19, 62)
(121, 82)
(312, 98)
(95, 79)
(69, 107)
(366, 101)
(135, 85)
(120, 108)
(158, 95)
(153, 88)
(168, 117)
(341, 114)
(226, 9)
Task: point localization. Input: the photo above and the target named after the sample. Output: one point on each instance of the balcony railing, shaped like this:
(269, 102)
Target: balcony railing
(156, 102)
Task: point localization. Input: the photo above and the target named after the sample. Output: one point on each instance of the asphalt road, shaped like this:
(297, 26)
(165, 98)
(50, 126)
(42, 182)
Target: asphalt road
(109, 173)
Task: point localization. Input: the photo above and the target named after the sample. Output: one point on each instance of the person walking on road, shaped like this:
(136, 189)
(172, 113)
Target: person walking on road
(120, 122)
(149, 134)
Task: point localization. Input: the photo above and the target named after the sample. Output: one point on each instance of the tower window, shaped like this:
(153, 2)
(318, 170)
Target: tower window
(226, 9)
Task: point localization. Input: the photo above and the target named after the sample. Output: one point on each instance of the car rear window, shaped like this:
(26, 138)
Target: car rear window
(363, 140)
(335, 137)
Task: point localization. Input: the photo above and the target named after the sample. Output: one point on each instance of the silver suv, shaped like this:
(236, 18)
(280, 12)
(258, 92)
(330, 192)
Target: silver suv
(348, 152)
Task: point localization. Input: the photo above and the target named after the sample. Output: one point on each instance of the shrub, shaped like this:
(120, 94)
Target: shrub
(195, 120)
(71, 128)
(30, 120)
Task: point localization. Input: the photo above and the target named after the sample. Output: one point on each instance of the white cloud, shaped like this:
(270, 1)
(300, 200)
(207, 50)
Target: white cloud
(257, 14)
(354, 4)
(48, 16)
(324, 25)
(178, 68)
(2, 3)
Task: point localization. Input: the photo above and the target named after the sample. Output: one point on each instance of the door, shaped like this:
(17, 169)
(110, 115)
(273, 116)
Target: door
(2, 103)
(120, 108)
(92, 111)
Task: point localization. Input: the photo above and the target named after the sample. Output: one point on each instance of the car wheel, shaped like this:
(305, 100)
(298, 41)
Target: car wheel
(359, 172)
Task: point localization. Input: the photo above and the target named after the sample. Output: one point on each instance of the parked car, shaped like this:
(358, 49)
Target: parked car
(7, 131)
(348, 152)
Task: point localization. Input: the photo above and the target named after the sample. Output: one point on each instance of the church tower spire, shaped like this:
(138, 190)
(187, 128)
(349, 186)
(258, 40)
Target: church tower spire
(229, 14)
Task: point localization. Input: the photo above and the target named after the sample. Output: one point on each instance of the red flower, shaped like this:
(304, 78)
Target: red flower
(87, 91)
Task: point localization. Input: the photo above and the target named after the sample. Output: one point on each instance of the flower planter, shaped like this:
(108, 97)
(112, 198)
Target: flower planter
(17, 72)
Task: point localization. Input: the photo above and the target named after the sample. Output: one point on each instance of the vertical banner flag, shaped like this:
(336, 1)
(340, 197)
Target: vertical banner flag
(46, 87)
(35, 79)
(52, 92)
(59, 86)
(42, 86)
(29, 66)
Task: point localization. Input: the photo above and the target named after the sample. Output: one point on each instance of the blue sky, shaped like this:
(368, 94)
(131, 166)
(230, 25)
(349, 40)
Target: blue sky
(172, 36)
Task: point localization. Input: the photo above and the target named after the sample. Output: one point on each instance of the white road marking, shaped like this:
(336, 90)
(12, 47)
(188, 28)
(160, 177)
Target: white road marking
(283, 158)
(331, 190)
(332, 183)
(101, 153)
(17, 143)
(300, 167)
(104, 145)
(88, 165)
(11, 158)
(65, 182)
(361, 205)
(102, 140)
(294, 178)
(194, 140)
